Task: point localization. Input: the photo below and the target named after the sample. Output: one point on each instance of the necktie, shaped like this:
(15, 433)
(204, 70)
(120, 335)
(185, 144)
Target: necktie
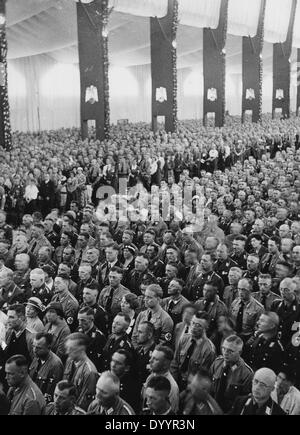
(206, 306)
(185, 364)
(36, 373)
(222, 387)
(109, 301)
(187, 329)
(264, 300)
(149, 316)
(72, 372)
(80, 257)
(239, 318)
(171, 306)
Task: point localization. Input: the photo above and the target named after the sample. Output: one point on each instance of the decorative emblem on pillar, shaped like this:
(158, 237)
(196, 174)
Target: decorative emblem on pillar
(212, 94)
(91, 95)
(161, 94)
(250, 94)
(279, 94)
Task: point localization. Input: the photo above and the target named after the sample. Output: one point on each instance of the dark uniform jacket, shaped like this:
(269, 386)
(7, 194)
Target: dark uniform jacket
(95, 348)
(11, 295)
(245, 406)
(43, 293)
(222, 267)
(101, 317)
(47, 374)
(135, 278)
(288, 316)
(261, 352)
(239, 381)
(20, 344)
(113, 344)
(240, 259)
(115, 306)
(197, 288)
(143, 355)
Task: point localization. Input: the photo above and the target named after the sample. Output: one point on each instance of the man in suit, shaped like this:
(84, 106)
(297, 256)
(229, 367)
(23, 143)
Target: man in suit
(260, 401)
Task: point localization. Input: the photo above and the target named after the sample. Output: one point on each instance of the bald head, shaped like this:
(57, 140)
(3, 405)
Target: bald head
(267, 376)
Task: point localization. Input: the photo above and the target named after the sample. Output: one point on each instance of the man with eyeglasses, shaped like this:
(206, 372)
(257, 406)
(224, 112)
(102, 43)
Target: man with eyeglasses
(245, 310)
(260, 401)
(264, 349)
(231, 376)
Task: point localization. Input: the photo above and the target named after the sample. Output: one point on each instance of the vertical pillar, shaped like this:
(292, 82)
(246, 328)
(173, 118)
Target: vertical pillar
(5, 128)
(92, 20)
(253, 69)
(282, 69)
(163, 33)
(298, 83)
(214, 67)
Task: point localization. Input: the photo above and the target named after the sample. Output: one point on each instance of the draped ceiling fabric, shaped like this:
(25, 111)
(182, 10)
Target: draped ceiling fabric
(42, 35)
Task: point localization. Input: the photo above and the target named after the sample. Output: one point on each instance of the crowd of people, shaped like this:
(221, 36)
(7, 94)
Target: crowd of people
(152, 273)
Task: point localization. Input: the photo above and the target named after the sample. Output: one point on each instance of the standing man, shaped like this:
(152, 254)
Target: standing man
(108, 400)
(24, 396)
(260, 401)
(175, 303)
(161, 320)
(64, 403)
(194, 350)
(245, 310)
(265, 296)
(66, 299)
(46, 369)
(157, 397)
(79, 369)
(231, 376)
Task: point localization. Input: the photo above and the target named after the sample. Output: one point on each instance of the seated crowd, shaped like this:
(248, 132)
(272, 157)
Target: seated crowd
(176, 295)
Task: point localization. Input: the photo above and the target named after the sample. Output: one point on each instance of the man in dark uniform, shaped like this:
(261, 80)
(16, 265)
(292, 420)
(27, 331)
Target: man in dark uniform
(122, 366)
(118, 339)
(90, 296)
(85, 280)
(145, 347)
(38, 288)
(86, 318)
(206, 275)
(224, 263)
(260, 401)
(239, 254)
(252, 271)
(50, 234)
(136, 276)
(264, 349)
(287, 309)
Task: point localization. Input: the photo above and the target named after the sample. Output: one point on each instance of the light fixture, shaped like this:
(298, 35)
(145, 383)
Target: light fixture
(2, 20)
(84, 1)
(174, 44)
(105, 32)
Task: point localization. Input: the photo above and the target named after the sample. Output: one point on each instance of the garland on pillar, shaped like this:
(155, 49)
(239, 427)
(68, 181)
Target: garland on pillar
(223, 54)
(174, 62)
(261, 63)
(105, 17)
(4, 104)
